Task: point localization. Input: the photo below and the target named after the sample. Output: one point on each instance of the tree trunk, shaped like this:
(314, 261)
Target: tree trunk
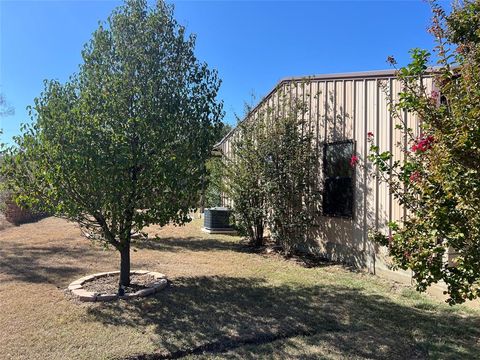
(202, 197)
(251, 234)
(258, 235)
(124, 267)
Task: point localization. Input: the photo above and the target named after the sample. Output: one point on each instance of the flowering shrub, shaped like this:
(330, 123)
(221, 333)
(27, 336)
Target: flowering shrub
(415, 176)
(438, 181)
(423, 143)
(353, 160)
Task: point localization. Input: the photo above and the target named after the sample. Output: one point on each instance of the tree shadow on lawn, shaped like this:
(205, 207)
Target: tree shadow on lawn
(173, 244)
(54, 264)
(217, 314)
(190, 243)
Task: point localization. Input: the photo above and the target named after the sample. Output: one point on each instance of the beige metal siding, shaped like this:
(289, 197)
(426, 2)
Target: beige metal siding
(344, 108)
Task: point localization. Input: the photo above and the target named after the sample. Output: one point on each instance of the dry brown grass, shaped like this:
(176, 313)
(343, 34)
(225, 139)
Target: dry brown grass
(223, 300)
(4, 223)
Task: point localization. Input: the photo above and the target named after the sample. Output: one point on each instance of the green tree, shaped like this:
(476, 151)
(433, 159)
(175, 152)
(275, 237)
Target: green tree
(6, 109)
(272, 174)
(214, 189)
(291, 177)
(439, 180)
(215, 173)
(121, 145)
(244, 179)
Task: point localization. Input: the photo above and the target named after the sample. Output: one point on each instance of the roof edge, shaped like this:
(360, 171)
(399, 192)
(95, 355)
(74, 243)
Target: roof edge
(335, 76)
(341, 76)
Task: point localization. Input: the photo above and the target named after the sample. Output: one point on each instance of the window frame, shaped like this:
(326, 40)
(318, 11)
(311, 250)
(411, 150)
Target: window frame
(353, 177)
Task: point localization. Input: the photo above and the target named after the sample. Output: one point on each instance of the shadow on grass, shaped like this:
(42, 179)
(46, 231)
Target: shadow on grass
(191, 243)
(240, 315)
(172, 244)
(54, 264)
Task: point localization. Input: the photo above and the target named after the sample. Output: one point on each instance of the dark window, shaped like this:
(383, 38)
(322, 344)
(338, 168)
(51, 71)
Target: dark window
(338, 173)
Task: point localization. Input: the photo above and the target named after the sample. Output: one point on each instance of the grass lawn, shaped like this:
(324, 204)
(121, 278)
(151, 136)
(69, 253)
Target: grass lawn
(223, 302)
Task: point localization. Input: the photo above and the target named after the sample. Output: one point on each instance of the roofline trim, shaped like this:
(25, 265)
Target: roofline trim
(341, 76)
(335, 76)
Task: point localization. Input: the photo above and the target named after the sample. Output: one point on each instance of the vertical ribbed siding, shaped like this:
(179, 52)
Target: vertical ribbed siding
(359, 120)
(347, 109)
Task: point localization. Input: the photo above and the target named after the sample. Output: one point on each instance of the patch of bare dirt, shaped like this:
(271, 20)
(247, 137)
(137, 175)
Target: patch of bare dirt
(109, 284)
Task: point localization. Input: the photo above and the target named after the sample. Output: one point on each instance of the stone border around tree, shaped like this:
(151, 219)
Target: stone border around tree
(77, 290)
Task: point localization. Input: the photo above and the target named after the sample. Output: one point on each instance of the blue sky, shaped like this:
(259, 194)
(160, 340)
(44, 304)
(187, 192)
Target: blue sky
(252, 44)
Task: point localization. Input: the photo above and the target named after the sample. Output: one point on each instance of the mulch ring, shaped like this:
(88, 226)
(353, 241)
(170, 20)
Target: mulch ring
(104, 286)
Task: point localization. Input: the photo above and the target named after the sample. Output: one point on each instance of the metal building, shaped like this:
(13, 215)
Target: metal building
(343, 109)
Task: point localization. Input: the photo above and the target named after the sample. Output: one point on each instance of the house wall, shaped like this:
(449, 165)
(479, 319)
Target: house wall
(344, 107)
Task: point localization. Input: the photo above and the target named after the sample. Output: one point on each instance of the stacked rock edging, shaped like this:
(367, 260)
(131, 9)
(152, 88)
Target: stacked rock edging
(77, 290)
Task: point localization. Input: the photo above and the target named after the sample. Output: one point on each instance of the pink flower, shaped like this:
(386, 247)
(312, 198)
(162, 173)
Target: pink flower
(370, 134)
(353, 160)
(434, 95)
(415, 176)
(423, 143)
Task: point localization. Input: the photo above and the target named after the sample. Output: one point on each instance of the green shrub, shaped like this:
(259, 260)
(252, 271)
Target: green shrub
(439, 180)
